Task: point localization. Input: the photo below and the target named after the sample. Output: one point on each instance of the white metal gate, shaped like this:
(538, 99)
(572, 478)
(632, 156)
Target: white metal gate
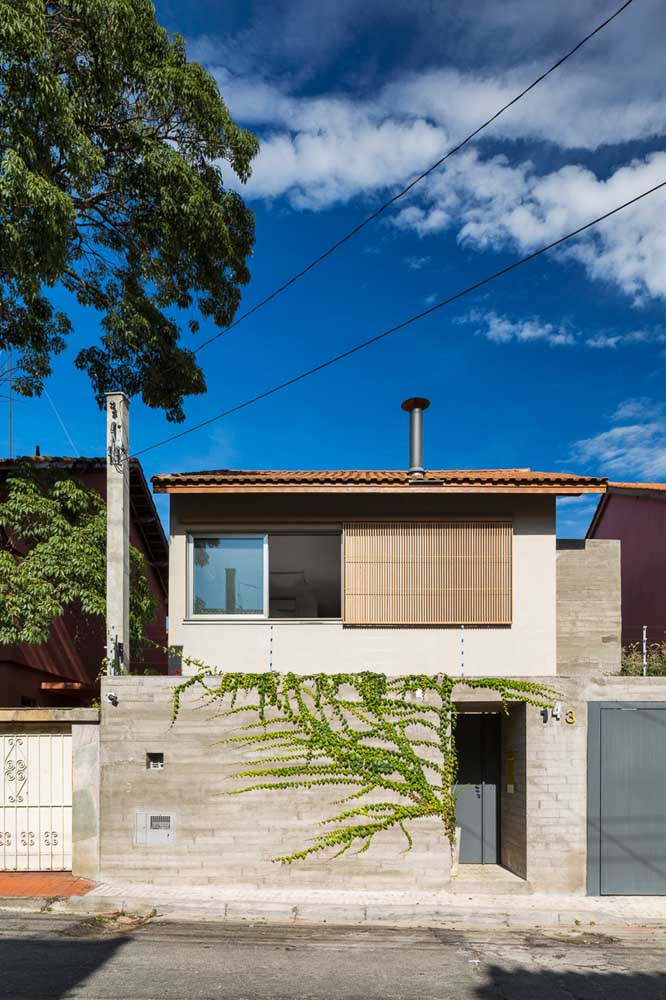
(36, 802)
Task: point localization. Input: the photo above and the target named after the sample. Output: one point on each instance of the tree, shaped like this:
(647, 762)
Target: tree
(53, 556)
(110, 187)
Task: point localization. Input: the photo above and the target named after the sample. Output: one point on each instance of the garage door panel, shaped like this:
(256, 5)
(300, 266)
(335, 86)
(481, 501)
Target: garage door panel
(36, 803)
(632, 820)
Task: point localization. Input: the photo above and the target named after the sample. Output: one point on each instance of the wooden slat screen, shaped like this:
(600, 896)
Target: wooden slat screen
(428, 573)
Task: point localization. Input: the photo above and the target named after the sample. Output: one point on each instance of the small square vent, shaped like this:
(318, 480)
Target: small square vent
(155, 829)
(154, 761)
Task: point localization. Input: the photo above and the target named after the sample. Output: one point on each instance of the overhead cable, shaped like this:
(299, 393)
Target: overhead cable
(405, 323)
(417, 180)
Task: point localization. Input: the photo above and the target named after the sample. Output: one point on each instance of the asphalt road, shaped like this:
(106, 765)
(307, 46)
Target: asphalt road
(54, 956)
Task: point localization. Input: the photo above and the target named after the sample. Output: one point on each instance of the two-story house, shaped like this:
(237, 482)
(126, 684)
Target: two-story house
(397, 572)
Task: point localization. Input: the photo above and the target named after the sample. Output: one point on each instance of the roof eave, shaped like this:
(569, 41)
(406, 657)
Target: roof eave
(551, 489)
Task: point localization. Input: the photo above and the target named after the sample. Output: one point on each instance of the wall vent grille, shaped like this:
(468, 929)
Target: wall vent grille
(155, 828)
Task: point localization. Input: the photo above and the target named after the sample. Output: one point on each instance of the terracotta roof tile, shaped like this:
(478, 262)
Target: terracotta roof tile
(637, 486)
(368, 479)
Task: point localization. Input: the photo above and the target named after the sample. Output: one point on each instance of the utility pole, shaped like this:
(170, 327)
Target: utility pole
(117, 533)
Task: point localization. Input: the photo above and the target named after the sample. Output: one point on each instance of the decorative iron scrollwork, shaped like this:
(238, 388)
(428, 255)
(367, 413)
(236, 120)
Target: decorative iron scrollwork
(16, 769)
(27, 838)
(5, 838)
(50, 838)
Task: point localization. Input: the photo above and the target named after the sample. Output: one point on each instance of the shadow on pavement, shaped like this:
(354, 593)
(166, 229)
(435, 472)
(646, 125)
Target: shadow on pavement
(36, 968)
(528, 984)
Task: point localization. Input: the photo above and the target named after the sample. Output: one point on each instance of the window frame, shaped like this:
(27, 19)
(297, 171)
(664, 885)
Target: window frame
(210, 615)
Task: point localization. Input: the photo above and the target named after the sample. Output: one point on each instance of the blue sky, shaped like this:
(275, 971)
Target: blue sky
(558, 366)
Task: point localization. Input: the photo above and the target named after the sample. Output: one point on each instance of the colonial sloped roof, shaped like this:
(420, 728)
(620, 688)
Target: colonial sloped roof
(376, 480)
(143, 513)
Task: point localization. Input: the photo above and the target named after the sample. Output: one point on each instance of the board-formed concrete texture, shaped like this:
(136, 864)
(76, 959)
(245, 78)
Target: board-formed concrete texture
(589, 618)
(85, 799)
(222, 838)
(232, 840)
(513, 791)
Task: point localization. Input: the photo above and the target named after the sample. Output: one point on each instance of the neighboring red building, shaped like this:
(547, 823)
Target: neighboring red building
(64, 670)
(636, 514)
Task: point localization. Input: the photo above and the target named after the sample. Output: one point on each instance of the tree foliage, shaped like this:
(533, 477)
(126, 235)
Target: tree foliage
(53, 557)
(388, 742)
(110, 142)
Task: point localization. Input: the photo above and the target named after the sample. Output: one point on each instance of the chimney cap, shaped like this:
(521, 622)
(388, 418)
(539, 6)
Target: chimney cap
(415, 403)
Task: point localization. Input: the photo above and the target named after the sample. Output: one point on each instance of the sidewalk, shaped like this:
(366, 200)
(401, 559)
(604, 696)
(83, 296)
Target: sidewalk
(446, 910)
(44, 885)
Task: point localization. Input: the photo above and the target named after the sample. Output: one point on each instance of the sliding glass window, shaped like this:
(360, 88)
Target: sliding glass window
(229, 575)
(284, 574)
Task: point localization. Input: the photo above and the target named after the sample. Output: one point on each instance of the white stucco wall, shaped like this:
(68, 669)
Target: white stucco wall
(527, 647)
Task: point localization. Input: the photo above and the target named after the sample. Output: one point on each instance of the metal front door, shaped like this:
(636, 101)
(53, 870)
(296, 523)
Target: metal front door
(477, 742)
(632, 800)
(36, 802)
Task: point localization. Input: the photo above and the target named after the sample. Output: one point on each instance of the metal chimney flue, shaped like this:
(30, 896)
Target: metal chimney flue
(415, 407)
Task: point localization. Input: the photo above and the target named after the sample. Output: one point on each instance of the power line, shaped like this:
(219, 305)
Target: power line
(61, 422)
(405, 323)
(401, 194)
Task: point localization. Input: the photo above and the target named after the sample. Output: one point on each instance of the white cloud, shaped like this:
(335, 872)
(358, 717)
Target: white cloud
(495, 205)
(320, 167)
(638, 408)
(578, 503)
(366, 141)
(490, 203)
(603, 340)
(506, 330)
(502, 330)
(574, 515)
(416, 263)
(630, 450)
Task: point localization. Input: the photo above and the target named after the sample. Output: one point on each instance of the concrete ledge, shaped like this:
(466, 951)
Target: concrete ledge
(32, 715)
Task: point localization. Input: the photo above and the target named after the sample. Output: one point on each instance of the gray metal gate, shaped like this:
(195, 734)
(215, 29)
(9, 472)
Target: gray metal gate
(627, 798)
(478, 746)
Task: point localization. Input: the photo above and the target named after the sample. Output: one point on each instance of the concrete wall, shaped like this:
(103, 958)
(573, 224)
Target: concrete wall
(227, 839)
(513, 802)
(589, 620)
(527, 646)
(233, 839)
(85, 799)
(557, 780)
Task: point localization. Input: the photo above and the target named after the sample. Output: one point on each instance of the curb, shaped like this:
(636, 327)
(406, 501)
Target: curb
(372, 914)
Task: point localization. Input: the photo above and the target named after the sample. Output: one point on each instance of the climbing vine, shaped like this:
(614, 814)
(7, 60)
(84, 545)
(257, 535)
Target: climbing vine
(389, 741)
